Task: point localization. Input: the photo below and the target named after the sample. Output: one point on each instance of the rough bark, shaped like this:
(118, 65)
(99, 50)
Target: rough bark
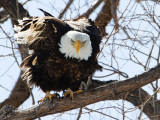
(113, 91)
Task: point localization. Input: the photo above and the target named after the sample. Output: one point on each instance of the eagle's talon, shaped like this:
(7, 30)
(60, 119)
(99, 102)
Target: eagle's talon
(55, 95)
(78, 91)
(58, 96)
(40, 101)
(68, 92)
(71, 98)
(71, 93)
(50, 97)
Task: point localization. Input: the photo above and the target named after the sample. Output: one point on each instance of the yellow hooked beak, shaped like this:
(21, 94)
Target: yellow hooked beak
(77, 45)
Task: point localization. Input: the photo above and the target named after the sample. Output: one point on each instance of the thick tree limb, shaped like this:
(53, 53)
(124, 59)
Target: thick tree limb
(107, 92)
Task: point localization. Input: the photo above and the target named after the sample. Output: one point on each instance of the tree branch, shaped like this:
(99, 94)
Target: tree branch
(90, 10)
(138, 98)
(11, 8)
(114, 4)
(106, 14)
(112, 91)
(3, 16)
(18, 94)
(65, 9)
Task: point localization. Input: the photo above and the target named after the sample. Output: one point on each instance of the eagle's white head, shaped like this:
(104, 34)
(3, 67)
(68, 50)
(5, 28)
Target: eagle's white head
(76, 44)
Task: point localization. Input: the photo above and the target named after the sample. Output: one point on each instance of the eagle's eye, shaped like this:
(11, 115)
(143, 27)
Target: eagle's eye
(72, 42)
(84, 42)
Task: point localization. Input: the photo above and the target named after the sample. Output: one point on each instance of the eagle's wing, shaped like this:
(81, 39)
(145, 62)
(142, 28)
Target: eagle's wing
(39, 33)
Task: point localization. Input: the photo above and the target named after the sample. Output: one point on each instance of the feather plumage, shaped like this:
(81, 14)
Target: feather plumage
(47, 67)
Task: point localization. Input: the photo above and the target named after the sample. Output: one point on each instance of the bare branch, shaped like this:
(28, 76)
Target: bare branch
(114, 4)
(65, 9)
(3, 16)
(79, 114)
(90, 10)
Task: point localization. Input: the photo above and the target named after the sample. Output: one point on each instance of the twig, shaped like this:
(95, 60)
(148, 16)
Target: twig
(65, 9)
(5, 88)
(145, 102)
(91, 110)
(79, 114)
(91, 9)
(11, 45)
(31, 93)
(3, 16)
(114, 13)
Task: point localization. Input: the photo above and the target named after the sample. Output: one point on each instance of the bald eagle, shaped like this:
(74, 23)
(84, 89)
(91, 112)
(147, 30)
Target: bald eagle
(64, 53)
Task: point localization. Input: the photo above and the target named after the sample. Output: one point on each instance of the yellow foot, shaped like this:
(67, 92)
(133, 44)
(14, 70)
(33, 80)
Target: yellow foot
(50, 96)
(78, 91)
(71, 93)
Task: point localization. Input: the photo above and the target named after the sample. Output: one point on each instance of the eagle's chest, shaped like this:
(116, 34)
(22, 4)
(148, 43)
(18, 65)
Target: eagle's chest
(71, 69)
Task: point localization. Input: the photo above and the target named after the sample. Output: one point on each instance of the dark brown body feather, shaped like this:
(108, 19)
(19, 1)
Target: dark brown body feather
(47, 67)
